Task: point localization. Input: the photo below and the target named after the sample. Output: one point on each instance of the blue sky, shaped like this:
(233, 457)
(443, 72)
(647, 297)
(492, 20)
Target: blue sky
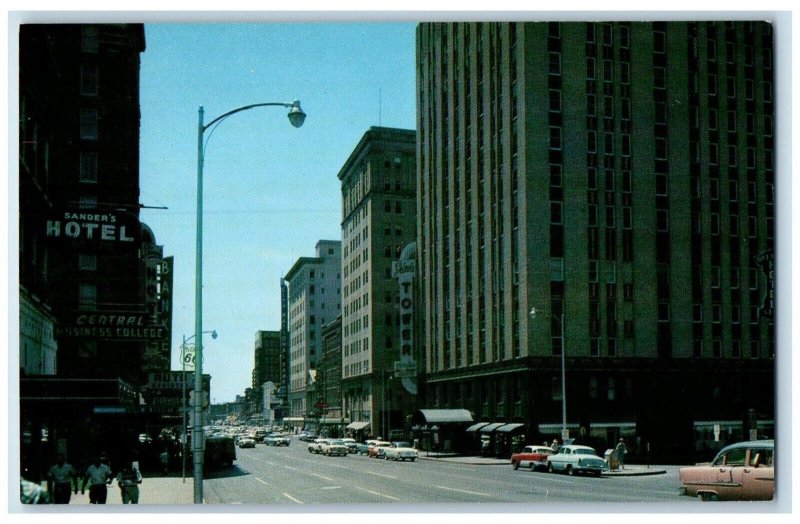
(271, 191)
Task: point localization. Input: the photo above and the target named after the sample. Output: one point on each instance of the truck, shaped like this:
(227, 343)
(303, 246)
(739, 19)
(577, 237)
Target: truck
(533, 457)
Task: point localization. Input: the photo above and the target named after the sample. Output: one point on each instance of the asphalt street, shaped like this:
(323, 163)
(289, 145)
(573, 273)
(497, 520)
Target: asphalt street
(267, 475)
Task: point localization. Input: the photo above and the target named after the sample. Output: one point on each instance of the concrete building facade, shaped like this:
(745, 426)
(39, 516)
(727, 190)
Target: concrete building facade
(314, 299)
(618, 178)
(378, 221)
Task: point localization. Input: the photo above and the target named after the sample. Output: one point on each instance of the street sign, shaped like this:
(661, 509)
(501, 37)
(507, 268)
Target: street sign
(187, 357)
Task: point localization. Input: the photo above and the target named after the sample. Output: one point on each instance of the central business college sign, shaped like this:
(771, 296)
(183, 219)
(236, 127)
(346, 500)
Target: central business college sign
(110, 325)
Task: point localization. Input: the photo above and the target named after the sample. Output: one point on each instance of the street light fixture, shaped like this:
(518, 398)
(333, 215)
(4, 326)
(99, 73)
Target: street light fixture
(563, 372)
(183, 397)
(296, 118)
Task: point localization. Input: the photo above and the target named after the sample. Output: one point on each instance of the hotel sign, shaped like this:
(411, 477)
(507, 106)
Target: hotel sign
(94, 226)
(96, 325)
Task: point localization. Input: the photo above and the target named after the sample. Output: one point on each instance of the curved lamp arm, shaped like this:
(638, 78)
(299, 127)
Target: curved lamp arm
(296, 114)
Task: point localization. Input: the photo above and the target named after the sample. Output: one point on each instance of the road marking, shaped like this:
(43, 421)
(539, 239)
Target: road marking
(292, 498)
(376, 493)
(465, 491)
(291, 468)
(321, 476)
(261, 481)
(331, 487)
(382, 475)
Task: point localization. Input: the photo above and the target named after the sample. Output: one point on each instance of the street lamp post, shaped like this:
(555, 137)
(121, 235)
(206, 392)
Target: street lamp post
(183, 397)
(563, 371)
(296, 118)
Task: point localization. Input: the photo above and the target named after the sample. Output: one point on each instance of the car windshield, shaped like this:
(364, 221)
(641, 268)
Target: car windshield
(580, 451)
(337, 442)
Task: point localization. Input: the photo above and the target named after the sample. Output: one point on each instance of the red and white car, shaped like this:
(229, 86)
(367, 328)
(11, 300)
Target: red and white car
(374, 449)
(533, 457)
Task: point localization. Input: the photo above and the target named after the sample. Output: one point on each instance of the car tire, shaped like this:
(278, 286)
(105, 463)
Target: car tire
(515, 465)
(533, 467)
(570, 470)
(550, 468)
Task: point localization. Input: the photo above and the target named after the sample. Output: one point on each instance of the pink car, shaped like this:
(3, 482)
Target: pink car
(743, 471)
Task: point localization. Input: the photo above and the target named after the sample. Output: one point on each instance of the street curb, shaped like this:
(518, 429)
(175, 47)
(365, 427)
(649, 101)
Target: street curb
(627, 473)
(639, 473)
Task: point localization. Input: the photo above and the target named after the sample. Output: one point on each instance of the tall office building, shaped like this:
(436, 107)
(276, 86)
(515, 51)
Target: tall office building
(378, 220)
(617, 178)
(314, 299)
(268, 362)
(90, 282)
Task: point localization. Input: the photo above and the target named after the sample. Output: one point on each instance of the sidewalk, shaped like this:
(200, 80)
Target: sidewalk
(630, 470)
(152, 490)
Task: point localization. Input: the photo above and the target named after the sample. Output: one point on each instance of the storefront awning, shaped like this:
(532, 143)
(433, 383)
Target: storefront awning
(293, 419)
(511, 428)
(359, 424)
(491, 427)
(441, 416)
(475, 427)
(333, 420)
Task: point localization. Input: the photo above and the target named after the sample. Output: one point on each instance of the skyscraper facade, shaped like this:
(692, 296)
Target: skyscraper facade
(618, 180)
(314, 299)
(378, 221)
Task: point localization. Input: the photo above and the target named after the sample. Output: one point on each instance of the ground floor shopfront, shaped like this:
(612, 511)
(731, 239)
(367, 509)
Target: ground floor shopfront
(671, 413)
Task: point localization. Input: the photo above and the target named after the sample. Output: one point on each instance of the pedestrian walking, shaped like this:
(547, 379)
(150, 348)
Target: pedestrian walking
(165, 461)
(620, 451)
(61, 480)
(98, 476)
(128, 481)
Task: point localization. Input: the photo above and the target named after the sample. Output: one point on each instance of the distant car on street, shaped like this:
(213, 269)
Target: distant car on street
(363, 447)
(573, 459)
(277, 440)
(742, 471)
(375, 449)
(246, 442)
(307, 437)
(533, 457)
(332, 447)
(399, 451)
(350, 444)
(316, 445)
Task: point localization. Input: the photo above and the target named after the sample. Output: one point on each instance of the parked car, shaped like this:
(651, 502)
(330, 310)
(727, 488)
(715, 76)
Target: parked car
(573, 459)
(350, 444)
(374, 450)
(399, 451)
(307, 437)
(277, 440)
(332, 447)
(246, 442)
(363, 447)
(533, 457)
(316, 445)
(742, 471)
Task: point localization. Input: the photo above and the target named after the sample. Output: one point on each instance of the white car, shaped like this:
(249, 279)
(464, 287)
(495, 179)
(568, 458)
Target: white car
(400, 451)
(332, 447)
(316, 445)
(573, 459)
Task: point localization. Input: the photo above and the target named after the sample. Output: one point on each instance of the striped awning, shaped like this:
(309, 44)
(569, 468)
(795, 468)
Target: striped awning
(510, 428)
(491, 427)
(475, 427)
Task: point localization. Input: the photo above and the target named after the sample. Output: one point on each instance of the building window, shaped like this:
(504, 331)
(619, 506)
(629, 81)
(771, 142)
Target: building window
(87, 262)
(89, 38)
(88, 167)
(555, 212)
(89, 79)
(88, 202)
(87, 296)
(89, 124)
(612, 388)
